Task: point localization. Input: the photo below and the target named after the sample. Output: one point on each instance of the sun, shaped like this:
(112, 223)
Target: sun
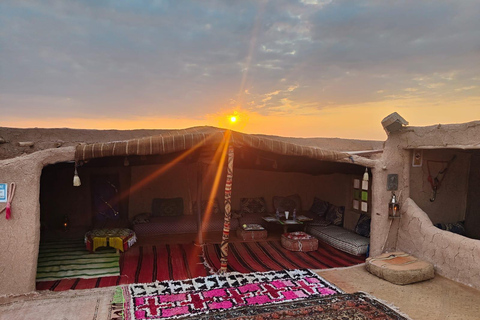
(233, 119)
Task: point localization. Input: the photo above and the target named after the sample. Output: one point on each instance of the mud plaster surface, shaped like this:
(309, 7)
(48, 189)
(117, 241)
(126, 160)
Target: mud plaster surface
(452, 255)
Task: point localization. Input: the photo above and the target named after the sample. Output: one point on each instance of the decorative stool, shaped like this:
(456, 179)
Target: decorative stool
(252, 232)
(120, 239)
(299, 241)
(399, 268)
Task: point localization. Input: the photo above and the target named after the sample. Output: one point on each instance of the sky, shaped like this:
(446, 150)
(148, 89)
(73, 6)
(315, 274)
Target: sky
(306, 68)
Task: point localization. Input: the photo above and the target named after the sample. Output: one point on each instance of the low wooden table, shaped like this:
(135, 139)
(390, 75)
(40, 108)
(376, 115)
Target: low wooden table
(252, 232)
(120, 239)
(300, 221)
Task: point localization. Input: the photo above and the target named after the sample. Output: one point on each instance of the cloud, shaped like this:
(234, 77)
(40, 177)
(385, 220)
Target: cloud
(173, 59)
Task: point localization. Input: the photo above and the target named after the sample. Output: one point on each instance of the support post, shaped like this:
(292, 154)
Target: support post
(228, 212)
(199, 203)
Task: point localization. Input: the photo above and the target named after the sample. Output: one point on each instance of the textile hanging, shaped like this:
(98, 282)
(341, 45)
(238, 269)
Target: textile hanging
(228, 212)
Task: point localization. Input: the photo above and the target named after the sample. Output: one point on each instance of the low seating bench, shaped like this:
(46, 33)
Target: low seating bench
(341, 238)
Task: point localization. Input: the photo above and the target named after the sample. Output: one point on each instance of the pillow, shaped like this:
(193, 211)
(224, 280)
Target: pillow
(321, 222)
(236, 214)
(252, 205)
(363, 225)
(456, 227)
(287, 203)
(335, 214)
(167, 207)
(319, 207)
(141, 218)
(215, 207)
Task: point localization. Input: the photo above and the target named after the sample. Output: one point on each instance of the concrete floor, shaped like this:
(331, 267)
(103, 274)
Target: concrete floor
(435, 299)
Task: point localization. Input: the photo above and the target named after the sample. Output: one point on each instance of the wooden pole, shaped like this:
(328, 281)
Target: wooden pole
(228, 212)
(199, 203)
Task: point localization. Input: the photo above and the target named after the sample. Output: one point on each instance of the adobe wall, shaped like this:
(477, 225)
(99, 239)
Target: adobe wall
(21, 234)
(414, 232)
(451, 199)
(454, 256)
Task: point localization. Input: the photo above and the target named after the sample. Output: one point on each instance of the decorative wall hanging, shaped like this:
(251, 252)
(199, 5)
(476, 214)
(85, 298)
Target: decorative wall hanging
(436, 181)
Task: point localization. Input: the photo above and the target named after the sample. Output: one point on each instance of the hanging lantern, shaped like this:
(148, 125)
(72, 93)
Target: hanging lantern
(365, 175)
(76, 178)
(393, 207)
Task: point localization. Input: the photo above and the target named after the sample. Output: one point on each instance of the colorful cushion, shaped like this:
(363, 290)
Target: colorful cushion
(167, 207)
(215, 207)
(253, 205)
(287, 203)
(335, 214)
(456, 227)
(319, 207)
(363, 225)
(141, 218)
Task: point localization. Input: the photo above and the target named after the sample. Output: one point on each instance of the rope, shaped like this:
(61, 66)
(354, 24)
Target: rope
(10, 194)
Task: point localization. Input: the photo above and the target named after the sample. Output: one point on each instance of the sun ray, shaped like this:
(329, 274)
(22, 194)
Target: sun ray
(161, 170)
(221, 153)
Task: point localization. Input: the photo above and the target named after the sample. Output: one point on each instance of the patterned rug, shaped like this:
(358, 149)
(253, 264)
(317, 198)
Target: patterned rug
(357, 306)
(70, 259)
(214, 294)
(270, 255)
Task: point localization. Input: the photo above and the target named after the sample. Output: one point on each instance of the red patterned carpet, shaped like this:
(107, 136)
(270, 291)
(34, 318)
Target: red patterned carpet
(148, 263)
(270, 255)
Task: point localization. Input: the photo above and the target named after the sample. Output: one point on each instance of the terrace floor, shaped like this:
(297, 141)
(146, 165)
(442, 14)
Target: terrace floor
(439, 298)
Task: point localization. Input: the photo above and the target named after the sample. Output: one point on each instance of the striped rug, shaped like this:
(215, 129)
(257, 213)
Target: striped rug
(142, 264)
(247, 257)
(70, 259)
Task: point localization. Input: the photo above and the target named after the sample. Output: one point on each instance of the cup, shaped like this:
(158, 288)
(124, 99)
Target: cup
(286, 215)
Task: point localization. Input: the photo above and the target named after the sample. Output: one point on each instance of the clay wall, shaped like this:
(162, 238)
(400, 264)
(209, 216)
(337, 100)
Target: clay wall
(451, 199)
(453, 256)
(21, 234)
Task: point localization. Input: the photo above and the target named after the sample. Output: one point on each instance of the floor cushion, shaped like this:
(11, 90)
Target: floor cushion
(400, 268)
(299, 241)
